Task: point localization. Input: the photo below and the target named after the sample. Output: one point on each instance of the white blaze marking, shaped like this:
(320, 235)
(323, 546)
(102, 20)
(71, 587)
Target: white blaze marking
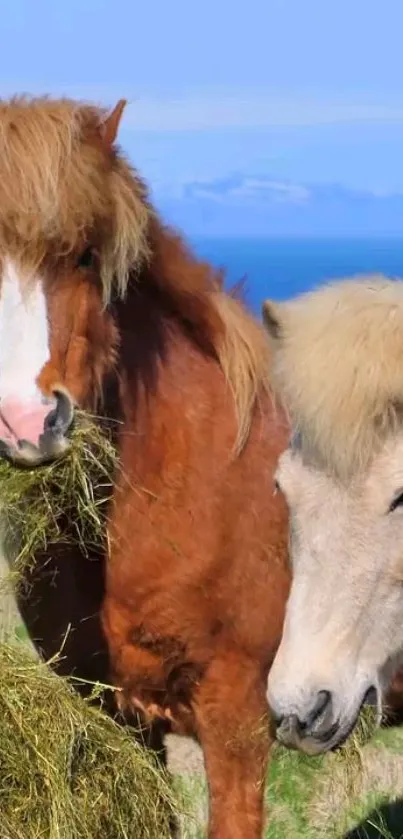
(24, 335)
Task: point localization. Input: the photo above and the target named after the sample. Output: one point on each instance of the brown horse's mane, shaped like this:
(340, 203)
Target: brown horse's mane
(56, 194)
(218, 320)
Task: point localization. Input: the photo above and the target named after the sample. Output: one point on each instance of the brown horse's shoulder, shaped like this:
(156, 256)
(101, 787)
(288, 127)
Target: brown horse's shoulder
(195, 524)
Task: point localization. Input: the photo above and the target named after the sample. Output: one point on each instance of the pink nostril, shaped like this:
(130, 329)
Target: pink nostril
(24, 420)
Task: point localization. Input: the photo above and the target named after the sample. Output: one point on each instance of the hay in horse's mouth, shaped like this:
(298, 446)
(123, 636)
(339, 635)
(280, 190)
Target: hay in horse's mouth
(64, 500)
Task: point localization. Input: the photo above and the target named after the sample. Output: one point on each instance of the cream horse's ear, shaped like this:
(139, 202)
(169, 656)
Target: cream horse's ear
(110, 125)
(272, 318)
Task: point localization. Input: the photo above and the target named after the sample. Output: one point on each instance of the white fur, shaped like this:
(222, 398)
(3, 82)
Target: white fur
(24, 334)
(344, 619)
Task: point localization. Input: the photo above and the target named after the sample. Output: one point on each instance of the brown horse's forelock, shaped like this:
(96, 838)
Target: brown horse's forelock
(57, 188)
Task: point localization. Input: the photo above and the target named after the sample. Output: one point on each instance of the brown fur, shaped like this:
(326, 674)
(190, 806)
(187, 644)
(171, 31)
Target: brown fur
(193, 591)
(338, 360)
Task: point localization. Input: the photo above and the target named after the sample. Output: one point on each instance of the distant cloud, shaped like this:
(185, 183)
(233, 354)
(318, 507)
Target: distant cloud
(204, 113)
(253, 205)
(279, 190)
(251, 188)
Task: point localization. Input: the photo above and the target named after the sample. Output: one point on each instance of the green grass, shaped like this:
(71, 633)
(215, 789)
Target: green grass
(329, 796)
(322, 798)
(20, 633)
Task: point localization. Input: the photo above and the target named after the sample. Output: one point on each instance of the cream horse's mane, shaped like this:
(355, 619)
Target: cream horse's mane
(339, 368)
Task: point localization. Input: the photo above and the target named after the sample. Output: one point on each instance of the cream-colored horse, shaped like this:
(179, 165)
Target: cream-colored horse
(339, 369)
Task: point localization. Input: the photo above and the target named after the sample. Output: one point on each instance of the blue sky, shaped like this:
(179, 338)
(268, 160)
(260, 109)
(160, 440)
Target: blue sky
(300, 90)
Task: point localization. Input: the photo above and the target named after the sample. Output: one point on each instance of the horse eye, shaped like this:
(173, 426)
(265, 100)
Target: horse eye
(397, 502)
(86, 259)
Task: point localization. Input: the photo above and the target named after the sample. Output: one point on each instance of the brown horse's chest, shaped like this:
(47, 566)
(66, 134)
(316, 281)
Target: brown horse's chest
(163, 683)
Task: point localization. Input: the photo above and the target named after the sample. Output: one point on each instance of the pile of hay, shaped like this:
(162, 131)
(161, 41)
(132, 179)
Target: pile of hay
(63, 500)
(66, 770)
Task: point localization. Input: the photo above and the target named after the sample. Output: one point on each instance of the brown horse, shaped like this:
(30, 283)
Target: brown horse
(103, 307)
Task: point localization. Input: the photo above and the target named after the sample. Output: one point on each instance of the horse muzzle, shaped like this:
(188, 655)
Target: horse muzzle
(35, 432)
(321, 730)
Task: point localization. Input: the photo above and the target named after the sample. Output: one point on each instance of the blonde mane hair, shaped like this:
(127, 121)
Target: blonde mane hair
(55, 188)
(245, 356)
(339, 368)
(56, 191)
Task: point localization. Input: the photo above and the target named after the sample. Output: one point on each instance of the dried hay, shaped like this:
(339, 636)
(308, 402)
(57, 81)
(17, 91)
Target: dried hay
(63, 500)
(67, 771)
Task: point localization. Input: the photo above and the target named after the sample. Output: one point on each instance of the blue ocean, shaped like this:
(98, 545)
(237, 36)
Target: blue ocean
(280, 268)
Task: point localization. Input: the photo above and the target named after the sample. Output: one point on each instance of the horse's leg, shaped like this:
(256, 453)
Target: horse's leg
(233, 729)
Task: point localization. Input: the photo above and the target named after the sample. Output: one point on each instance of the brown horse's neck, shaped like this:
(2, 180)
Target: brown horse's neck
(172, 296)
(181, 287)
(147, 324)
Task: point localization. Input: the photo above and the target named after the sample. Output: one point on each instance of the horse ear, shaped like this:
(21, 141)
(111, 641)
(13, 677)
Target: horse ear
(110, 125)
(271, 313)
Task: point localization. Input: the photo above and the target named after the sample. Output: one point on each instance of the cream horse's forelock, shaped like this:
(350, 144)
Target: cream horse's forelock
(338, 367)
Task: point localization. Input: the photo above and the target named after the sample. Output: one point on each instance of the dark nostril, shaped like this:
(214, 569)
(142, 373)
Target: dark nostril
(323, 702)
(50, 420)
(371, 697)
(317, 726)
(277, 718)
(60, 418)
